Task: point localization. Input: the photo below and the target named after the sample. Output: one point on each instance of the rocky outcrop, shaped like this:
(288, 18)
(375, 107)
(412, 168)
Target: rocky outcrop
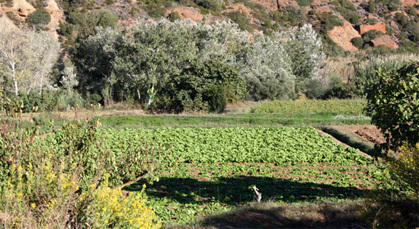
(385, 40)
(323, 9)
(185, 12)
(410, 2)
(378, 26)
(242, 9)
(342, 36)
(22, 7)
(56, 15)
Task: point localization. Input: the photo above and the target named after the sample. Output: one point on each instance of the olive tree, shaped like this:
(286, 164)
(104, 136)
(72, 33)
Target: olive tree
(152, 52)
(267, 70)
(305, 50)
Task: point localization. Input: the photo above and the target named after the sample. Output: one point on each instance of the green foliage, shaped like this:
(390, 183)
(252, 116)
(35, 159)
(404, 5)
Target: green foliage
(241, 19)
(47, 101)
(248, 120)
(304, 3)
(155, 11)
(314, 89)
(393, 104)
(358, 42)
(104, 18)
(40, 16)
(53, 180)
(295, 15)
(371, 35)
(405, 168)
(214, 5)
(402, 19)
(334, 106)
(366, 73)
(173, 16)
(205, 86)
(212, 145)
(350, 15)
(329, 21)
(215, 164)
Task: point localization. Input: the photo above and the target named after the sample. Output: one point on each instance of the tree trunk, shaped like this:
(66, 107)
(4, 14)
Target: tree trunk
(139, 95)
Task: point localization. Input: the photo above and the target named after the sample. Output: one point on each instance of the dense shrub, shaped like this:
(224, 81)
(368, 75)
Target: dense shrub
(241, 19)
(214, 5)
(304, 2)
(371, 35)
(173, 16)
(314, 89)
(350, 15)
(40, 16)
(205, 87)
(358, 42)
(393, 104)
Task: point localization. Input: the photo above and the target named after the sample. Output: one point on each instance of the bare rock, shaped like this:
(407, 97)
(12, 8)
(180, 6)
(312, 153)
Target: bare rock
(185, 12)
(410, 2)
(385, 40)
(378, 26)
(342, 36)
(323, 9)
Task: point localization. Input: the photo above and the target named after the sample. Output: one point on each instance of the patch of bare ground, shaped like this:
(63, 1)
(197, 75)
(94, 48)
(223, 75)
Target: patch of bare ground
(368, 133)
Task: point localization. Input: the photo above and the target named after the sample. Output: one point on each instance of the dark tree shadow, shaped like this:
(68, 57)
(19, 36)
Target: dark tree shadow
(235, 190)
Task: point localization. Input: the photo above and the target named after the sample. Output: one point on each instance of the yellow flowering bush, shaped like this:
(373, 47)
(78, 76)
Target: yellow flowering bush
(110, 208)
(405, 169)
(60, 182)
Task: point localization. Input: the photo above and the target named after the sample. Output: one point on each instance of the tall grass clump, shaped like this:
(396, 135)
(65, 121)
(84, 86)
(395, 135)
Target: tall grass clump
(333, 106)
(67, 178)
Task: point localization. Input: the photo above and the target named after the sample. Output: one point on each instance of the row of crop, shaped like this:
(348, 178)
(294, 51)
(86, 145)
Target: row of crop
(281, 145)
(333, 106)
(249, 120)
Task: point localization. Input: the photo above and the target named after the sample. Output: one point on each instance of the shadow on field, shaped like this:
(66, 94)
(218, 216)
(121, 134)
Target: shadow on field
(235, 190)
(302, 215)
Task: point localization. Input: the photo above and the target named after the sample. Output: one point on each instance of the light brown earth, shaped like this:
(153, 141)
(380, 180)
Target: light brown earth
(368, 133)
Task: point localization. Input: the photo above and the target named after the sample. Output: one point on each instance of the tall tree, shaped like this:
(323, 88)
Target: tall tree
(27, 57)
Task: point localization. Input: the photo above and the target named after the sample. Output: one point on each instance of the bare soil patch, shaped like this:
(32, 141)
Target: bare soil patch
(368, 133)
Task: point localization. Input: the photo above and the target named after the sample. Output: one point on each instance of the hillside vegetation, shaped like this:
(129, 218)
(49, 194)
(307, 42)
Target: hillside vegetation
(189, 57)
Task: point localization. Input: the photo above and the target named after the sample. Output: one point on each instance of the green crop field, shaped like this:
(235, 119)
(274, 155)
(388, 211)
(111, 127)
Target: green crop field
(209, 170)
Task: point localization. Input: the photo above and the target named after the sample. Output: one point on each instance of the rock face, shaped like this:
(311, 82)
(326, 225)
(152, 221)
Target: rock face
(379, 27)
(22, 7)
(342, 36)
(385, 40)
(323, 9)
(242, 9)
(185, 12)
(56, 15)
(410, 2)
